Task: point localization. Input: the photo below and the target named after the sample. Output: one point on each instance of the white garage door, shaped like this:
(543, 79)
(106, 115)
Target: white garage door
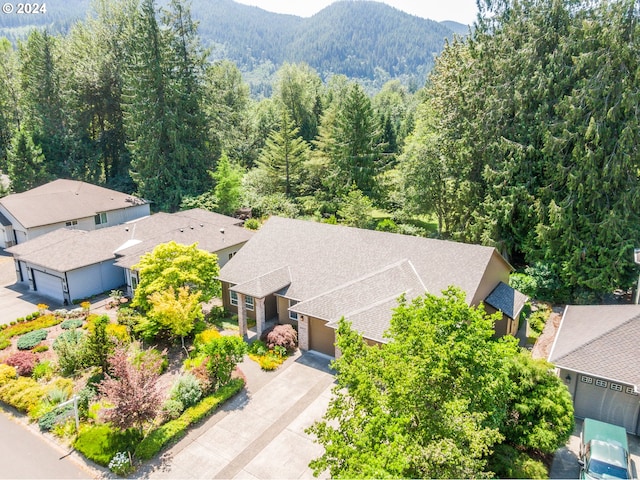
(48, 285)
(608, 402)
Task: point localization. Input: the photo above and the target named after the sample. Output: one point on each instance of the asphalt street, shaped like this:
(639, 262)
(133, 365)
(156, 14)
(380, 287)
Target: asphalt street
(26, 454)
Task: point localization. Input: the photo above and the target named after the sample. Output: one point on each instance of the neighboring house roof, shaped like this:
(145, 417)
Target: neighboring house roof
(507, 299)
(336, 270)
(64, 200)
(66, 249)
(600, 340)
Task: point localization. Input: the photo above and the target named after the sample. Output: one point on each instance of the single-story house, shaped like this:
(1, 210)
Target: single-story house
(64, 203)
(597, 354)
(311, 274)
(69, 264)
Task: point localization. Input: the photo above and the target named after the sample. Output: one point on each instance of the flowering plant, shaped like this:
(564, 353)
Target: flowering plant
(120, 464)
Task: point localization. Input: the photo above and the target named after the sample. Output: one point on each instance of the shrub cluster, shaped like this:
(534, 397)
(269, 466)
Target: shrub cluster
(43, 370)
(175, 429)
(31, 339)
(71, 323)
(47, 421)
(24, 393)
(281, 335)
(24, 362)
(7, 373)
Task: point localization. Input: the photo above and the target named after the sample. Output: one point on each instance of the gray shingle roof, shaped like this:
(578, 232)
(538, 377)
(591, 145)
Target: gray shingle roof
(63, 200)
(64, 249)
(336, 270)
(265, 284)
(507, 299)
(322, 257)
(361, 293)
(601, 340)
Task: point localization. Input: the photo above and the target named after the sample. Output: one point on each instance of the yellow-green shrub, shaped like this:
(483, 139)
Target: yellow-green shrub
(23, 393)
(118, 331)
(205, 337)
(7, 373)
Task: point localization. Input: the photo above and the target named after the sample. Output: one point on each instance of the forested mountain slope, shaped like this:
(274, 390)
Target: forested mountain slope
(367, 40)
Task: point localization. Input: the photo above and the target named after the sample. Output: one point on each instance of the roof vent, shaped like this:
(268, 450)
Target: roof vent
(222, 231)
(191, 227)
(202, 224)
(182, 229)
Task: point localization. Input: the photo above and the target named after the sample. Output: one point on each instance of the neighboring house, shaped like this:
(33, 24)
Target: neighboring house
(311, 274)
(597, 354)
(64, 203)
(68, 265)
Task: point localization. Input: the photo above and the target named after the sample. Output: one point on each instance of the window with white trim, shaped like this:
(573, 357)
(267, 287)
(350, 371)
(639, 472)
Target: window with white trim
(586, 379)
(631, 391)
(100, 218)
(248, 302)
(233, 297)
(71, 223)
(616, 387)
(292, 315)
(602, 383)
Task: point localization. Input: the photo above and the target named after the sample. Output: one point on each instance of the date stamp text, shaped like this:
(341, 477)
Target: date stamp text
(24, 8)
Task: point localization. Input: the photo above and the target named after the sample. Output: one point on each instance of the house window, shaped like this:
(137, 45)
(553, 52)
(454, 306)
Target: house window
(248, 302)
(134, 281)
(101, 218)
(292, 315)
(586, 379)
(631, 391)
(231, 255)
(72, 223)
(601, 383)
(617, 388)
(233, 296)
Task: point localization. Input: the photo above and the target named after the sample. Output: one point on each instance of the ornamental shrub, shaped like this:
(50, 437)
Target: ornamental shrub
(31, 339)
(43, 370)
(100, 443)
(24, 362)
(4, 343)
(47, 421)
(120, 464)
(71, 349)
(71, 323)
(281, 335)
(204, 337)
(187, 390)
(7, 373)
(507, 462)
(172, 409)
(24, 393)
(40, 348)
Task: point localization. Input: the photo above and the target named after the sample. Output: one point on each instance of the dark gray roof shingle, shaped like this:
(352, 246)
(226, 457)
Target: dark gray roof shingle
(600, 340)
(507, 299)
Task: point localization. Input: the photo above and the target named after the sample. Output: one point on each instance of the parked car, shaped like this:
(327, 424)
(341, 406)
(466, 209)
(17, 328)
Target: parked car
(604, 451)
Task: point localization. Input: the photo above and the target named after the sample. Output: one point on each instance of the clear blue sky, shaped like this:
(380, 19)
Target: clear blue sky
(463, 11)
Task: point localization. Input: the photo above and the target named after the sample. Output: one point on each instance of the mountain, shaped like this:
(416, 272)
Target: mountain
(456, 27)
(367, 40)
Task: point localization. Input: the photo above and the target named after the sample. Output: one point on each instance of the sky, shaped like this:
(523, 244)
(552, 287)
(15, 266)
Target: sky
(463, 11)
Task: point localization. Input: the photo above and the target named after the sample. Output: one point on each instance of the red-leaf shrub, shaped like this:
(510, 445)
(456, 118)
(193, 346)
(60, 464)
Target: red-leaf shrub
(24, 362)
(282, 335)
(132, 389)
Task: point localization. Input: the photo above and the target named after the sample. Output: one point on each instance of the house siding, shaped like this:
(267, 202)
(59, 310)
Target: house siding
(226, 301)
(497, 271)
(94, 279)
(321, 338)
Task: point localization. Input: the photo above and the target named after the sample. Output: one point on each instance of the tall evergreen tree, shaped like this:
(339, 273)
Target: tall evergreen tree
(26, 163)
(284, 155)
(9, 119)
(164, 121)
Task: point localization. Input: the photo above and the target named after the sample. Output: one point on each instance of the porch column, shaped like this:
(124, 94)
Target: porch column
(242, 315)
(303, 332)
(260, 314)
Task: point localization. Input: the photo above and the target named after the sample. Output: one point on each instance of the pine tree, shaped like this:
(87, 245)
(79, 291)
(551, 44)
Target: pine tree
(26, 163)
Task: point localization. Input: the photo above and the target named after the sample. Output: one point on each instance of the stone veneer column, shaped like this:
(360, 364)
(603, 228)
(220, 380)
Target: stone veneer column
(303, 332)
(242, 315)
(260, 314)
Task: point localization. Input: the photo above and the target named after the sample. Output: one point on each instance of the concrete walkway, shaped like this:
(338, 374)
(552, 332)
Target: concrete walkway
(260, 433)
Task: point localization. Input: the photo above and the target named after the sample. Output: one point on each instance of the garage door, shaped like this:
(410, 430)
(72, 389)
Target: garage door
(321, 337)
(48, 285)
(608, 402)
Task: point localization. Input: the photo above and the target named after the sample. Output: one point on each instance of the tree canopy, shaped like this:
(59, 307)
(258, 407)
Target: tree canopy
(173, 265)
(435, 400)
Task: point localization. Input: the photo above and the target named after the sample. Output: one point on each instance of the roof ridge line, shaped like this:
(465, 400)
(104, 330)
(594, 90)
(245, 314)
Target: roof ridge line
(361, 278)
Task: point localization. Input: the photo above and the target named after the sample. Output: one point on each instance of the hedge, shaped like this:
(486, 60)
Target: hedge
(45, 321)
(173, 430)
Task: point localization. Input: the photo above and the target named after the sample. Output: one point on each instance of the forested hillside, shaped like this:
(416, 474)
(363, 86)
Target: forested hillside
(366, 40)
(525, 137)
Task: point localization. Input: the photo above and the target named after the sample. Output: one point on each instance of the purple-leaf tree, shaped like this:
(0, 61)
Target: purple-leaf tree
(132, 389)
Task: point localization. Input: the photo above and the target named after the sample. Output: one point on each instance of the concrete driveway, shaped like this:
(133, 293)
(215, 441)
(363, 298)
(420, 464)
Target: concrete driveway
(260, 433)
(16, 300)
(565, 461)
